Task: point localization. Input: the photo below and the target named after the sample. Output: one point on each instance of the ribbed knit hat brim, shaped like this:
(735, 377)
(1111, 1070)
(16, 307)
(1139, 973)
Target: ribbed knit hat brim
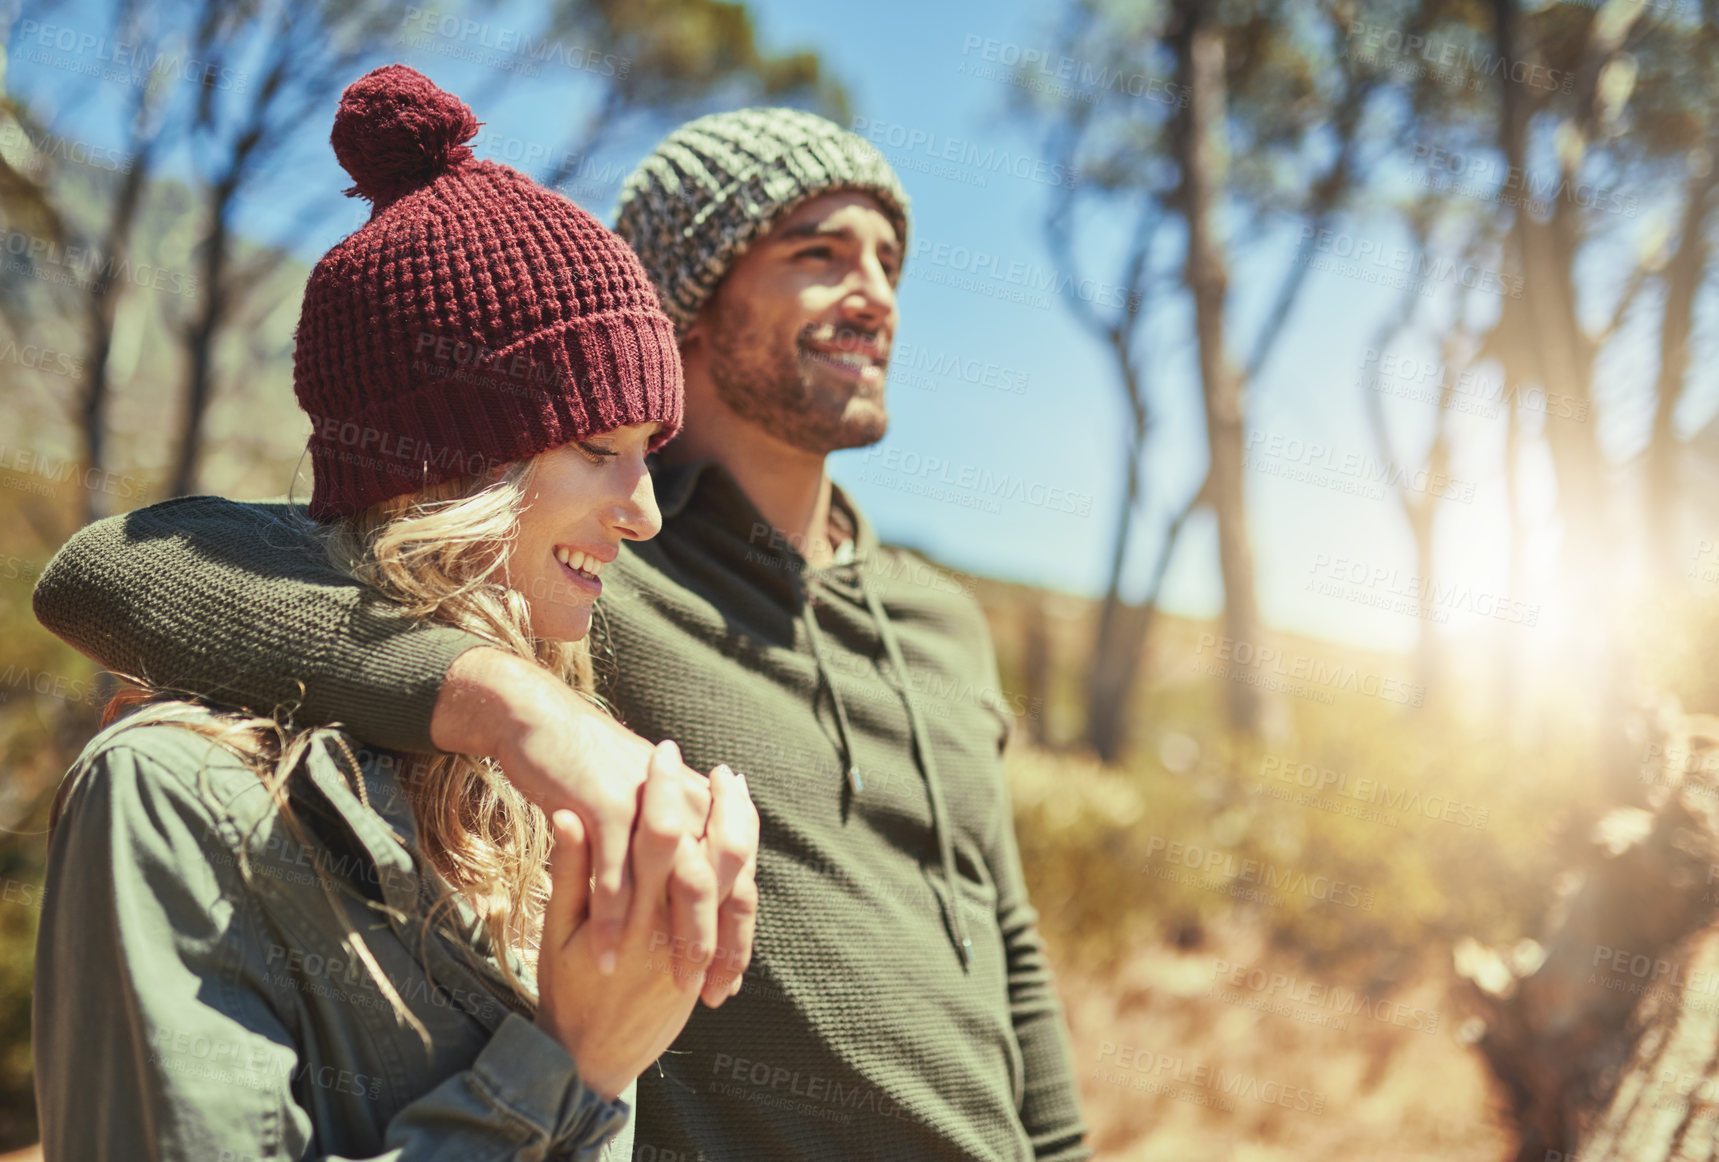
(478, 409)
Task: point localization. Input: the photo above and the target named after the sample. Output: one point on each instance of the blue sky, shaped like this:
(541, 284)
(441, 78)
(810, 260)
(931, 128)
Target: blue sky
(1045, 411)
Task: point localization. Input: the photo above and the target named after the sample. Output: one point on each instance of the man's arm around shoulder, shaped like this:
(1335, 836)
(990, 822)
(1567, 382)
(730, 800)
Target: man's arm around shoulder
(236, 603)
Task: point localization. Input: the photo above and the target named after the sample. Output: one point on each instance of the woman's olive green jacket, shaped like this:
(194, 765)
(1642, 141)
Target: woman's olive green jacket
(197, 1001)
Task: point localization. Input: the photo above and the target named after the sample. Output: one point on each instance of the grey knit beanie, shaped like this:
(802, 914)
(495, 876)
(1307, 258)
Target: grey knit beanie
(715, 184)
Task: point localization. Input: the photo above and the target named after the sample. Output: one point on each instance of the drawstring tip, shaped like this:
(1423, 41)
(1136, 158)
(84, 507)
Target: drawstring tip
(966, 953)
(854, 779)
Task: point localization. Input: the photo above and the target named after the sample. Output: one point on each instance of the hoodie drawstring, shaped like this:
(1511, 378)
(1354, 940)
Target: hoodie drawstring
(921, 745)
(928, 766)
(816, 636)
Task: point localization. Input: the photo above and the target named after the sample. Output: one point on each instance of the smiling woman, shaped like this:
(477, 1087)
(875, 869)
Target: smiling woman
(581, 500)
(320, 956)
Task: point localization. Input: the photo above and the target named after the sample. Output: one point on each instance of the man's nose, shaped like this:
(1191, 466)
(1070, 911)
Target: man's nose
(870, 295)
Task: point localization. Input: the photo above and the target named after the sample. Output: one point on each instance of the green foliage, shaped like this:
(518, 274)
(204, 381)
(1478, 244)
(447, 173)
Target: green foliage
(1364, 835)
(48, 701)
(685, 51)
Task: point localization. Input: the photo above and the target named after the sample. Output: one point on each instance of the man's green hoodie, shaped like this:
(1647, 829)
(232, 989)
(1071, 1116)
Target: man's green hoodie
(899, 1005)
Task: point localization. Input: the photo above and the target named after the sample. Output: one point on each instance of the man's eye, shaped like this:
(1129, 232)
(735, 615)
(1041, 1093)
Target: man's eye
(816, 252)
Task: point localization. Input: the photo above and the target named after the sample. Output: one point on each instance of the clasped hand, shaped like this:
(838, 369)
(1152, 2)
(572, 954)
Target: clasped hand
(616, 1019)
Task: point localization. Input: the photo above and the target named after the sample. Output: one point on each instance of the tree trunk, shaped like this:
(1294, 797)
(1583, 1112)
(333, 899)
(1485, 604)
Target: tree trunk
(1662, 1106)
(200, 339)
(98, 344)
(1597, 1046)
(1204, 156)
(1683, 274)
(1036, 672)
(1130, 627)
(1110, 682)
(1558, 353)
(1422, 514)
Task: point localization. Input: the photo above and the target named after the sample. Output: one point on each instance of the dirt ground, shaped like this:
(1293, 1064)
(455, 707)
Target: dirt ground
(1236, 1052)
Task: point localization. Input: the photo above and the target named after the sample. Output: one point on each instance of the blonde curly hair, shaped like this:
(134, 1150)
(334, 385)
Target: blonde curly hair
(440, 553)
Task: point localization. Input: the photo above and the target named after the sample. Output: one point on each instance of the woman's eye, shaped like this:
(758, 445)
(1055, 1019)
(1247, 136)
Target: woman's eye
(596, 454)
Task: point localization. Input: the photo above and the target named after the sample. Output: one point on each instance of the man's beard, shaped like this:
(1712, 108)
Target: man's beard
(762, 378)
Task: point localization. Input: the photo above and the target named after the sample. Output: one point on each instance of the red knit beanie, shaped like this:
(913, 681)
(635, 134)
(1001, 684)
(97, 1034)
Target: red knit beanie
(477, 318)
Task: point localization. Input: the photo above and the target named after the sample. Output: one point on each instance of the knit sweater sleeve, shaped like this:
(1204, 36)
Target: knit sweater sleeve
(232, 602)
(1050, 1104)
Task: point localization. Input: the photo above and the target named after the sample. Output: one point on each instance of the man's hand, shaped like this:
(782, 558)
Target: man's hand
(615, 1025)
(564, 753)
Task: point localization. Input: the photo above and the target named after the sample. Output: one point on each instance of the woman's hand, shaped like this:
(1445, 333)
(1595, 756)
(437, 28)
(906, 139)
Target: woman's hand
(614, 1025)
(564, 753)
